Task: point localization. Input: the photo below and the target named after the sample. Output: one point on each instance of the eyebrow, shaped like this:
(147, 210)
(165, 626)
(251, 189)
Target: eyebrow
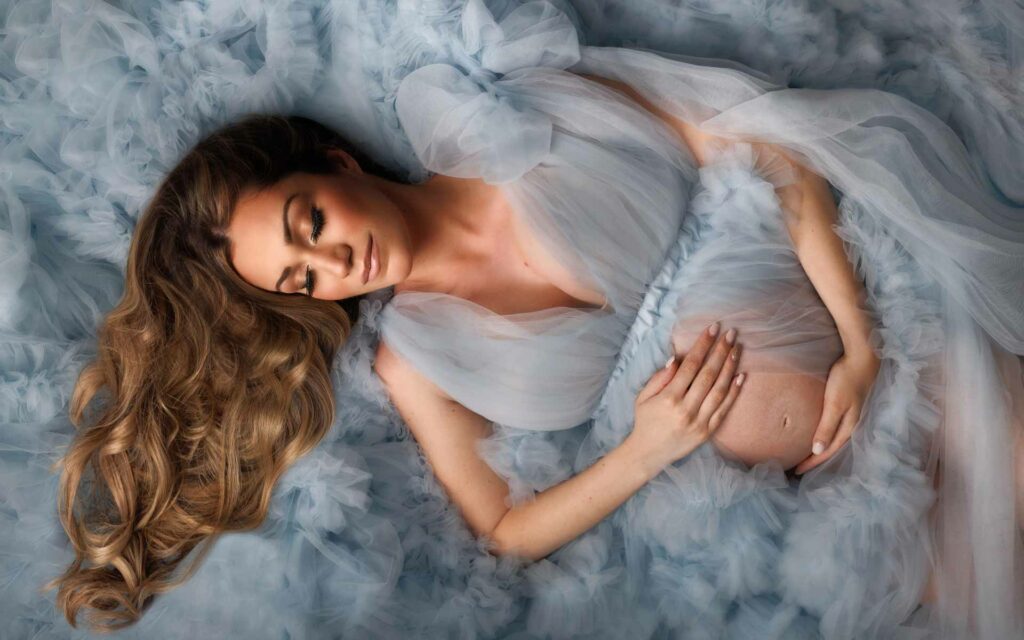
(287, 240)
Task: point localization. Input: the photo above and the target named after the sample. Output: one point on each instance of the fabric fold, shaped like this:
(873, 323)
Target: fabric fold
(361, 539)
(710, 244)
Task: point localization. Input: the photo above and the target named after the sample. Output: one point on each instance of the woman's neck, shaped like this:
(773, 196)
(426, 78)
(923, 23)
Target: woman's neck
(455, 229)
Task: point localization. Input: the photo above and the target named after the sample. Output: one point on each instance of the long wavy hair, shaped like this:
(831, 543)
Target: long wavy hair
(213, 387)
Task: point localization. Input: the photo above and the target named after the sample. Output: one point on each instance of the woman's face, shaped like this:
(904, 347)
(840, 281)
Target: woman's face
(274, 240)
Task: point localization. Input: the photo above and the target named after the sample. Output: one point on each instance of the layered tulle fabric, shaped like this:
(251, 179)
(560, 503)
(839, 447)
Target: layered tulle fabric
(601, 182)
(361, 540)
(898, 166)
(908, 171)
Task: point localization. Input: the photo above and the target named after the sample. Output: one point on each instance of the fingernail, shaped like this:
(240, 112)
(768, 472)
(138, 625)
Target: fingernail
(730, 336)
(713, 329)
(818, 448)
(740, 378)
(667, 364)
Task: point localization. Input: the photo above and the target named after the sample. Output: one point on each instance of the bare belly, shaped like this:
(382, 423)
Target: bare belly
(774, 417)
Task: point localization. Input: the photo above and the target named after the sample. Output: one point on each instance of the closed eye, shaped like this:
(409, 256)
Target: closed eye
(309, 281)
(317, 218)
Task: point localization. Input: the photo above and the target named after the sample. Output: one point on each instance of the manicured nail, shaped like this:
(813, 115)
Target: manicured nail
(730, 336)
(713, 329)
(740, 378)
(818, 448)
(669, 363)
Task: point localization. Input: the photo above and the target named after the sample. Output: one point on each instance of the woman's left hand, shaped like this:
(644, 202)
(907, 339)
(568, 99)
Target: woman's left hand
(849, 382)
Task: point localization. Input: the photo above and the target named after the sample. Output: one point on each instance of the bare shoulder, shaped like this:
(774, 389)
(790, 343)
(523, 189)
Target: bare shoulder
(695, 138)
(639, 99)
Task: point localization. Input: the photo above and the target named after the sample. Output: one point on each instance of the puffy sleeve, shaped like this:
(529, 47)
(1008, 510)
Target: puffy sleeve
(462, 119)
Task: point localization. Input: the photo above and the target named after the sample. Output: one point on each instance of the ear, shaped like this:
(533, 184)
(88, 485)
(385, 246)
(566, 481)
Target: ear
(343, 160)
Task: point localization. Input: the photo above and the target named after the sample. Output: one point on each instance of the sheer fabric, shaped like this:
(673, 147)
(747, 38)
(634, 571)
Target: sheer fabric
(100, 99)
(619, 200)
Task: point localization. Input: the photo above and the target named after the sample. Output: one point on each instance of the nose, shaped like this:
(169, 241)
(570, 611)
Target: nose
(333, 259)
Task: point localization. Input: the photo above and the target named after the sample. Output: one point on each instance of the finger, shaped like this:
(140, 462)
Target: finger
(701, 384)
(831, 414)
(687, 369)
(804, 465)
(717, 394)
(718, 417)
(658, 380)
(842, 436)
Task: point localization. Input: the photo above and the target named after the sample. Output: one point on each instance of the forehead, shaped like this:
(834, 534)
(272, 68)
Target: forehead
(254, 206)
(254, 201)
(257, 233)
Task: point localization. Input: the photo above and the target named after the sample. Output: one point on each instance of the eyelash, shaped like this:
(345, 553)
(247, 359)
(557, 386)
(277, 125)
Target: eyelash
(318, 225)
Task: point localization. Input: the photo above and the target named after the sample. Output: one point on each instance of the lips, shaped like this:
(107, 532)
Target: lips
(366, 258)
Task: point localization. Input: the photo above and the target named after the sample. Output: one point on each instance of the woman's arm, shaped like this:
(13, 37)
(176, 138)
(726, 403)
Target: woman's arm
(813, 212)
(810, 214)
(561, 513)
(448, 434)
(824, 259)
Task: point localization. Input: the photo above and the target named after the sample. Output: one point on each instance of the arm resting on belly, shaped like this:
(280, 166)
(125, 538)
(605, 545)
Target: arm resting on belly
(448, 434)
(811, 212)
(823, 257)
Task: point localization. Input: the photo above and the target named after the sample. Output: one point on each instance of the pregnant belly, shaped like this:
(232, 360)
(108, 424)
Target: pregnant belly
(774, 418)
(741, 269)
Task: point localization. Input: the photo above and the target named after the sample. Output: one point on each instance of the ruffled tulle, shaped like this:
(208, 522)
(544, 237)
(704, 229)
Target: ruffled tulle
(600, 181)
(842, 543)
(361, 540)
(905, 183)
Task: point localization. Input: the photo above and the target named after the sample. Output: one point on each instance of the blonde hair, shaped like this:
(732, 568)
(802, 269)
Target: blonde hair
(213, 387)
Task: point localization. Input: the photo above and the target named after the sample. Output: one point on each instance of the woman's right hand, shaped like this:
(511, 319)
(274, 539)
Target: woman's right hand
(683, 404)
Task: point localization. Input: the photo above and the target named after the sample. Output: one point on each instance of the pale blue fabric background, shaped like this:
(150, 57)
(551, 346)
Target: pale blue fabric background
(97, 100)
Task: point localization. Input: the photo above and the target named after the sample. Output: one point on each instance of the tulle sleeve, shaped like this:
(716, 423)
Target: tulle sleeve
(467, 124)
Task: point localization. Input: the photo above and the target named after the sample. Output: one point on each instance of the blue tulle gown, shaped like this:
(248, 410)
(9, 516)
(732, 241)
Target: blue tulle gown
(361, 542)
(623, 205)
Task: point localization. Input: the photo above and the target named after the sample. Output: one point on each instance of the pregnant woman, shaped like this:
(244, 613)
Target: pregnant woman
(593, 212)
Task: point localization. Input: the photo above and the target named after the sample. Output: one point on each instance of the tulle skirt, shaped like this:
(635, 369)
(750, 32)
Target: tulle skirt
(854, 541)
(361, 541)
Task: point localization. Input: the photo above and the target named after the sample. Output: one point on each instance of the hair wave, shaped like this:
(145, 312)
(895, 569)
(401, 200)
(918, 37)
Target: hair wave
(213, 387)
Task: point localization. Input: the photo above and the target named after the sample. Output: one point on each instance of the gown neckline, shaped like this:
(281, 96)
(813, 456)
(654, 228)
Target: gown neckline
(585, 307)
